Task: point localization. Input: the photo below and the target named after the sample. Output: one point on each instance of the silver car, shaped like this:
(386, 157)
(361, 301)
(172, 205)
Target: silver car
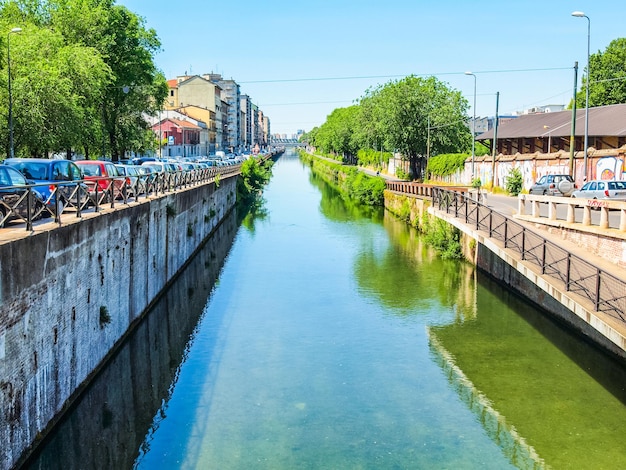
(553, 185)
(599, 189)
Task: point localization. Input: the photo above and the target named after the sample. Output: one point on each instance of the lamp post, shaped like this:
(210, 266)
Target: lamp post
(580, 14)
(473, 125)
(14, 30)
(547, 128)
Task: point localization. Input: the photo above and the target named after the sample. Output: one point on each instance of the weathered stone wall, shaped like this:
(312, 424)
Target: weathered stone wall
(69, 294)
(130, 389)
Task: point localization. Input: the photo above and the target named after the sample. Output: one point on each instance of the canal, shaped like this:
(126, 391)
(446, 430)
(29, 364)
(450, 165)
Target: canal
(317, 334)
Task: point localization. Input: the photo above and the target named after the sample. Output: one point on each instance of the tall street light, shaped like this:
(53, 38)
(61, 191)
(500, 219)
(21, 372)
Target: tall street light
(473, 125)
(14, 30)
(580, 14)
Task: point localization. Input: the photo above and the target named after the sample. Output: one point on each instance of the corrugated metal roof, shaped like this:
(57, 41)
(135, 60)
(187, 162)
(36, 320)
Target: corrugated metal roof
(603, 121)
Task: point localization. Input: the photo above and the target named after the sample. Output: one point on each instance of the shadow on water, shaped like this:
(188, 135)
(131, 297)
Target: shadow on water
(546, 396)
(111, 419)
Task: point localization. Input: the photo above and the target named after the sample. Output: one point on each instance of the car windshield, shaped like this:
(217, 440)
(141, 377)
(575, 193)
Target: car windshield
(91, 170)
(33, 170)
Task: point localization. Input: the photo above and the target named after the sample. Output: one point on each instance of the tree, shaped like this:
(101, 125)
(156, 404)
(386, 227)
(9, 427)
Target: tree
(84, 76)
(336, 135)
(607, 79)
(137, 86)
(405, 110)
(52, 82)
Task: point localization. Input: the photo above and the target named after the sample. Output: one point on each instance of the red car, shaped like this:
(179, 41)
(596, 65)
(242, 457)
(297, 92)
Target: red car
(100, 172)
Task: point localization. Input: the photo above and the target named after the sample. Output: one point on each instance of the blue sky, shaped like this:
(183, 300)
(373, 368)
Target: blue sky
(282, 53)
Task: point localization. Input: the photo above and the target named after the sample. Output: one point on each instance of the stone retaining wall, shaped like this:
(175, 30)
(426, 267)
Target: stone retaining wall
(70, 294)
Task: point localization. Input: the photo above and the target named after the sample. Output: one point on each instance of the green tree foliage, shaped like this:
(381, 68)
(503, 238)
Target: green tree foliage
(404, 111)
(415, 116)
(83, 76)
(607, 78)
(336, 135)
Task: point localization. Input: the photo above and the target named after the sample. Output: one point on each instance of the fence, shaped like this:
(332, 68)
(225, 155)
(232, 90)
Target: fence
(606, 292)
(26, 203)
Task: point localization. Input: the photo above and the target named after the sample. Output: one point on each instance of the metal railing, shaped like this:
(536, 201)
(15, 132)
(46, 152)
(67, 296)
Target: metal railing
(27, 205)
(606, 292)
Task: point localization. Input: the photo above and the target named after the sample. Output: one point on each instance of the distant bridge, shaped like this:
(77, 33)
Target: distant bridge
(286, 142)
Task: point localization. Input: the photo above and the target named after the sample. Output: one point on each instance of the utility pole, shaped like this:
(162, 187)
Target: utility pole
(495, 144)
(572, 138)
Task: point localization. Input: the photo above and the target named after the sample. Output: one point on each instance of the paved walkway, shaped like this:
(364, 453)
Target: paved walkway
(507, 205)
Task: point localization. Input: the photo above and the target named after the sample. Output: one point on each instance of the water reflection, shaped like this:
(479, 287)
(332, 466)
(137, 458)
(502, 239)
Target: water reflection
(116, 415)
(409, 277)
(336, 339)
(535, 397)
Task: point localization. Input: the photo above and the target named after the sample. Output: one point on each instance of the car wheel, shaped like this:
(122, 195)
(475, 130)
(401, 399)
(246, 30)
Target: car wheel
(545, 192)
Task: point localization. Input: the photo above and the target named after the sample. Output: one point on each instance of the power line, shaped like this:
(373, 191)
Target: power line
(368, 77)
(310, 102)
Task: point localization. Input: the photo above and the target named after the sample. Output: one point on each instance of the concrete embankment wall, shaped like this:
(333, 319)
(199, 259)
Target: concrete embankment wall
(69, 295)
(515, 275)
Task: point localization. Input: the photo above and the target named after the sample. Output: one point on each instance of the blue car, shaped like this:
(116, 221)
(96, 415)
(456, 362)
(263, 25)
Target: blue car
(54, 178)
(14, 195)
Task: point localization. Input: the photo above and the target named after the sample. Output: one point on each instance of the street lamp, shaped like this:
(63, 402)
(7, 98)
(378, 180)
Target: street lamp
(473, 125)
(547, 128)
(14, 30)
(580, 14)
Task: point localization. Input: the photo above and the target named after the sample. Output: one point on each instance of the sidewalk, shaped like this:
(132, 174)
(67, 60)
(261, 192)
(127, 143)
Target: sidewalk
(507, 205)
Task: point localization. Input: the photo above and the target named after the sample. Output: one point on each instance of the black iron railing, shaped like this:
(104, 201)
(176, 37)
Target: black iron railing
(27, 205)
(606, 292)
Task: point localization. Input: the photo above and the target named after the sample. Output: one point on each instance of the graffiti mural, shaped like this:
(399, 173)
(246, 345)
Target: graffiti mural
(610, 168)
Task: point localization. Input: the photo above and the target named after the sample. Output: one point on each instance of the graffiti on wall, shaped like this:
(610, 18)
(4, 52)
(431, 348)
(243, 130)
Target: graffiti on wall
(610, 168)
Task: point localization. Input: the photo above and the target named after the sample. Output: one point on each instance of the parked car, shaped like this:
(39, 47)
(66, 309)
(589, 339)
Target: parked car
(100, 172)
(14, 197)
(602, 189)
(53, 177)
(135, 183)
(554, 185)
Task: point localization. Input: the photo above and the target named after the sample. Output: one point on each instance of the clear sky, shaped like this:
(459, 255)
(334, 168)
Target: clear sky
(300, 60)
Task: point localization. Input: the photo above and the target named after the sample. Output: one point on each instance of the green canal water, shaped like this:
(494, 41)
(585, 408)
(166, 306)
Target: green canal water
(324, 336)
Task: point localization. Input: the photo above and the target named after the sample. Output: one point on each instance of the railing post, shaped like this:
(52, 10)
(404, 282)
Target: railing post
(78, 201)
(523, 243)
(506, 232)
(57, 204)
(29, 205)
(543, 258)
(568, 268)
(597, 300)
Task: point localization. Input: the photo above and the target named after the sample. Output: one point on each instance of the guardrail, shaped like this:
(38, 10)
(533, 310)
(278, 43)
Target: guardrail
(606, 292)
(87, 195)
(420, 189)
(571, 215)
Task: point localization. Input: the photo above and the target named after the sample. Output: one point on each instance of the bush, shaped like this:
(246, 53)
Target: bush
(254, 175)
(446, 164)
(365, 189)
(403, 175)
(514, 182)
